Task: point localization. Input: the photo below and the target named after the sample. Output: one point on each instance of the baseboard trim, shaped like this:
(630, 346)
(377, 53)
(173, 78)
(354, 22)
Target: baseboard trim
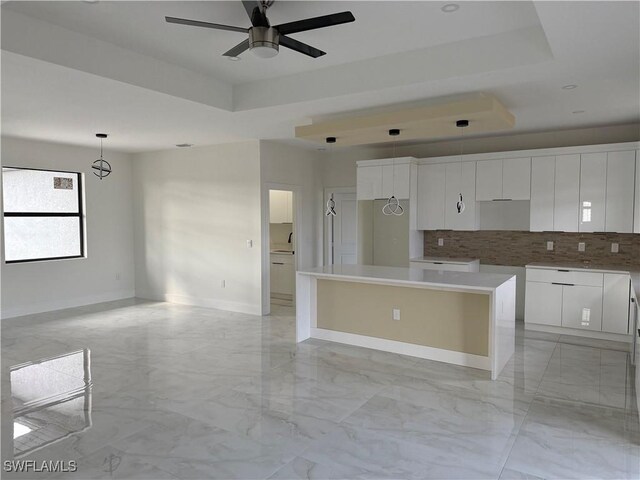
(51, 306)
(616, 337)
(226, 305)
(392, 346)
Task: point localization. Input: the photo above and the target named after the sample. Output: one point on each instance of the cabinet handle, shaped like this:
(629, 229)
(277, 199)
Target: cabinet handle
(561, 270)
(438, 263)
(501, 200)
(277, 263)
(565, 284)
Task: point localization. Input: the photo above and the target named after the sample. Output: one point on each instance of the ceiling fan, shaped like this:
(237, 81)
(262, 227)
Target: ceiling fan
(264, 40)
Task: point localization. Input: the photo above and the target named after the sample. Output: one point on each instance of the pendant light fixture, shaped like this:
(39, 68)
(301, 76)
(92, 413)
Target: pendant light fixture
(393, 207)
(331, 204)
(101, 166)
(460, 206)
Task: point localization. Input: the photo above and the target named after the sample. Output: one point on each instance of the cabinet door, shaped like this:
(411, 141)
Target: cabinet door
(431, 196)
(543, 175)
(621, 167)
(582, 307)
(543, 303)
(566, 193)
(401, 181)
(516, 178)
(289, 214)
(387, 181)
(277, 277)
(615, 303)
(460, 178)
(277, 206)
(288, 278)
(369, 183)
(489, 180)
(593, 185)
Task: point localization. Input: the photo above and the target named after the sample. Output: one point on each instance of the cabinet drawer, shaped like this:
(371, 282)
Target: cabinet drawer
(565, 276)
(284, 258)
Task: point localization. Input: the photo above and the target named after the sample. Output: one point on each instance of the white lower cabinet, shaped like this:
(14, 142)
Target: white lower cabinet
(574, 298)
(582, 307)
(282, 274)
(615, 303)
(543, 303)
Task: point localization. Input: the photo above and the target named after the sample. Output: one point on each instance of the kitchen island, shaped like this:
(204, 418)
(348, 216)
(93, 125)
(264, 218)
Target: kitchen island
(455, 317)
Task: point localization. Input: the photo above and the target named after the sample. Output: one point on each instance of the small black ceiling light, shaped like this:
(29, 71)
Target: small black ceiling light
(331, 139)
(394, 132)
(462, 123)
(102, 167)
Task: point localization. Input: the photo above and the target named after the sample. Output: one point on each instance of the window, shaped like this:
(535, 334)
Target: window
(43, 217)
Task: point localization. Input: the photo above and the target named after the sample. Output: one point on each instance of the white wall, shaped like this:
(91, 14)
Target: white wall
(194, 210)
(107, 273)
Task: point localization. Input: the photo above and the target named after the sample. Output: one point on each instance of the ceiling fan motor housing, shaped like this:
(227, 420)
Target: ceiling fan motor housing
(264, 41)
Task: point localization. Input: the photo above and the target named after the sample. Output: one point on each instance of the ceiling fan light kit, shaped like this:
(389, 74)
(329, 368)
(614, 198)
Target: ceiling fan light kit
(264, 40)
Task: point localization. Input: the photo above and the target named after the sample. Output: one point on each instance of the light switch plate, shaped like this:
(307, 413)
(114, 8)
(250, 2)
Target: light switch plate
(396, 313)
(615, 248)
(441, 242)
(581, 246)
(549, 245)
(249, 243)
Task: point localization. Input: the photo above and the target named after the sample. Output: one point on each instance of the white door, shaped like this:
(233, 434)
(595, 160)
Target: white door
(543, 303)
(582, 307)
(344, 229)
(615, 303)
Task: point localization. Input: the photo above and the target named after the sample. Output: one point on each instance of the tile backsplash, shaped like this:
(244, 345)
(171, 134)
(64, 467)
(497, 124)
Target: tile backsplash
(518, 248)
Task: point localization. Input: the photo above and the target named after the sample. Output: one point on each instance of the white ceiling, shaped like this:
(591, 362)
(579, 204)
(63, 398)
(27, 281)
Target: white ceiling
(70, 69)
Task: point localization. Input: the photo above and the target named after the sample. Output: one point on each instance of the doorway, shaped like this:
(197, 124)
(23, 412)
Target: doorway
(281, 204)
(341, 228)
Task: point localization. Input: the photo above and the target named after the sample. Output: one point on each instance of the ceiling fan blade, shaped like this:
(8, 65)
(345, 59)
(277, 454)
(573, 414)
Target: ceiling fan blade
(197, 23)
(316, 22)
(237, 50)
(256, 13)
(300, 47)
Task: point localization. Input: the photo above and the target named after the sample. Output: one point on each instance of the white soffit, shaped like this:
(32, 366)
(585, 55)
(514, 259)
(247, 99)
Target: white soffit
(484, 112)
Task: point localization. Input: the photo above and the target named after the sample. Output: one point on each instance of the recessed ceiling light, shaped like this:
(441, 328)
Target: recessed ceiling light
(578, 111)
(234, 59)
(450, 8)
(569, 87)
(184, 145)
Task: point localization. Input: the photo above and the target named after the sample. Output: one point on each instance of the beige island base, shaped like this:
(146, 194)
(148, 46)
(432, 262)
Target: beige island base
(455, 317)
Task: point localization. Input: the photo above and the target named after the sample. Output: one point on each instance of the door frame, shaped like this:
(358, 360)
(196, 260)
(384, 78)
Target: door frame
(265, 236)
(328, 224)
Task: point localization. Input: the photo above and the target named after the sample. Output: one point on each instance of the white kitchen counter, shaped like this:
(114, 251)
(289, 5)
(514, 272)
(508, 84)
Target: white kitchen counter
(499, 311)
(459, 281)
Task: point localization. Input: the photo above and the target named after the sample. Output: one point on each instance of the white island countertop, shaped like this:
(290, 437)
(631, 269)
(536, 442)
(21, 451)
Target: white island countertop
(457, 260)
(468, 281)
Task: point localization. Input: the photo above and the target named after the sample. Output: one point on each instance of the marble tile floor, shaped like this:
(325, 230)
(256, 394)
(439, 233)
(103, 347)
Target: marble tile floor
(195, 393)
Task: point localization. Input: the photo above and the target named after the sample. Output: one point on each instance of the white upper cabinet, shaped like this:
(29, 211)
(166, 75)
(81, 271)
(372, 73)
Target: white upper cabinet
(369, 182)
(280, 206)
(593, 187)
(489, 180)
(516, 178)
(382, 181)
(507, 179)
(395, 180)
(566, 193)
(543, 176)
(460, 178)
(431, 196)
(619, 193)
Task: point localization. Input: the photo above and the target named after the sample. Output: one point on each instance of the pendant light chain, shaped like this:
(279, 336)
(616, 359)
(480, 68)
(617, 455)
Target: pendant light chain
(393, 207)
(460, 206)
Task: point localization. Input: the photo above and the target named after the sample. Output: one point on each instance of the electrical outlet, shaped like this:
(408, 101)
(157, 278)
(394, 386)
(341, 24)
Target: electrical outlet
(441, 242)
(581, 246)
(249, 243)
(615, 248)
(223, 283)
(395, 313)
(549, 245)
